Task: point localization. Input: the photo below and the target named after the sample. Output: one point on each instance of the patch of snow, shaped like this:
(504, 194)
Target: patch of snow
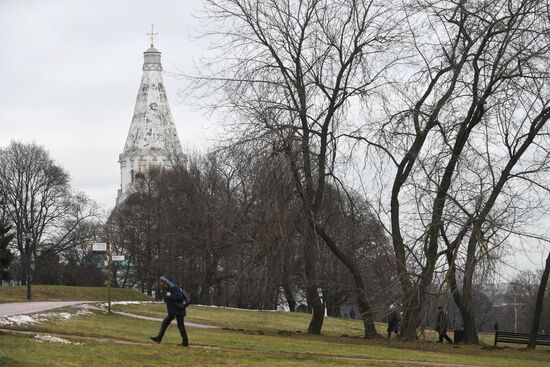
(89, 306)
(53, 339)
(33, 318)
(84, 312)
(54, 315)
(18, 320)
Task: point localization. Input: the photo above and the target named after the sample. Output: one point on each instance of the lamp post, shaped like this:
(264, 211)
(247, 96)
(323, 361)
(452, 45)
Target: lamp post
(110, 274)
(28, 237)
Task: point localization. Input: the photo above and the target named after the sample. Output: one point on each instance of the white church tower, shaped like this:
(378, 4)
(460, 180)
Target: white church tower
(152, 139)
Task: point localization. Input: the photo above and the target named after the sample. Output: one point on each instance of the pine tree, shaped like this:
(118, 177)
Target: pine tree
(5, 255)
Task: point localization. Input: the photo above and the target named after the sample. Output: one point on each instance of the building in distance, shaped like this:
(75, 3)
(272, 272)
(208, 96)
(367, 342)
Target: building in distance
(152, 139)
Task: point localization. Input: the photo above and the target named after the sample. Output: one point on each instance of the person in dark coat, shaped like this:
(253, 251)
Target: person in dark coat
(174, 299)
(441, 325)
(393, 320)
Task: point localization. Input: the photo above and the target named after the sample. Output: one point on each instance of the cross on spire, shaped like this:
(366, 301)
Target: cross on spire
(152, 34)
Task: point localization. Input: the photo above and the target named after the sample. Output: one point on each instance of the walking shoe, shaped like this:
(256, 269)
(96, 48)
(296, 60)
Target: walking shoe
(156, 339)
(185, 344)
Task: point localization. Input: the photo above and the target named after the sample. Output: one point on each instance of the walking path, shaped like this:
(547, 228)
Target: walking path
(187, 324)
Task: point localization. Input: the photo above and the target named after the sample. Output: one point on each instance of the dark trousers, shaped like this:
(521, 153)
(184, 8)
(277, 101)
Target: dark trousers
(181, 326)
(443, 334)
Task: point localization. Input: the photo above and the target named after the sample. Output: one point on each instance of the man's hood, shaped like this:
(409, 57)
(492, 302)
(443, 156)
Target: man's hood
(166, 279)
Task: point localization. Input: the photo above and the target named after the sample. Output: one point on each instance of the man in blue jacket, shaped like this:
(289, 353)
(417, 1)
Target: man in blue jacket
(175, 305)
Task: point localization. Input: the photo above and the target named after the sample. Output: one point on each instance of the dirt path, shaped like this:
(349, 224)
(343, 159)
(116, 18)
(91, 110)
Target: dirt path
(334, 357)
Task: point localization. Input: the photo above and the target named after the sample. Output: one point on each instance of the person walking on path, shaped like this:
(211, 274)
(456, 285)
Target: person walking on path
(175, 304)
(393, 320)
(441, 325)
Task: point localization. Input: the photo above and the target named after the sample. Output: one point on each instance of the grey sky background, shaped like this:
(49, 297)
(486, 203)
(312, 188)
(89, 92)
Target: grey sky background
(70, 72)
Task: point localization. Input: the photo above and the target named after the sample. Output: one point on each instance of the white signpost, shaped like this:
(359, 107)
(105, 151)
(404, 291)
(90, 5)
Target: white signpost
(99, 247)
(105, 248)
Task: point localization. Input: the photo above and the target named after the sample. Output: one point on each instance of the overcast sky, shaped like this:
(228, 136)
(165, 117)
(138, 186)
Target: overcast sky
(70, 73)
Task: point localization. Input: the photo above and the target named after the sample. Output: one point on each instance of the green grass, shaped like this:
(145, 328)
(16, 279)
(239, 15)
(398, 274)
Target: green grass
(249, 339)
(245, 319)
(104, 354)
(66, 293)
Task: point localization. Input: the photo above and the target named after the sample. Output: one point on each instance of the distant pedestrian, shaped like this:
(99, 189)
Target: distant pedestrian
(393, 320)
(352, 314)
(441, 325)
(176, 303)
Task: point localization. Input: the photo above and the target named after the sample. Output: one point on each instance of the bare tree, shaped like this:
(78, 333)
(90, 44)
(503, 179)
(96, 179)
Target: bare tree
(471, 60)
(519, 63)
(291, 69)
(39, 202)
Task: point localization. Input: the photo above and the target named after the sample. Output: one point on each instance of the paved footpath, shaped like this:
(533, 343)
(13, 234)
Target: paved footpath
(187, 324)
(22, 308)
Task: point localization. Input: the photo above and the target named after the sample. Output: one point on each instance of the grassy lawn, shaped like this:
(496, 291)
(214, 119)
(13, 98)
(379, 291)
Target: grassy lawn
(65, 293)
(245, 338)
(104, 354)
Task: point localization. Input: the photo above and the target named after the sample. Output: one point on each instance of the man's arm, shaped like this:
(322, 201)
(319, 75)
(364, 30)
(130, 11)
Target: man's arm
(174, 295)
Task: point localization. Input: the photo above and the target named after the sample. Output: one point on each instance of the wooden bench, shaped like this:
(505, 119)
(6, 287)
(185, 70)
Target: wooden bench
(520, 338)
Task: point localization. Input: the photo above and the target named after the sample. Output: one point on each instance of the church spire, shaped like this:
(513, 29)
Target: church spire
(152, 139)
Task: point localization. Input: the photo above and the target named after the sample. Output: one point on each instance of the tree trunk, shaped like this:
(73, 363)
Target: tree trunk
(289, 296)
(464, 304)
(470, 330)
(318, 310)
(411, 314)
(467, 309)
(539, 304)
(360, 289)
(312, 293)
(464, 299)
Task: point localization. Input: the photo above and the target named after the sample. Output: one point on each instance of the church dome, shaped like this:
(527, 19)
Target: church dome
(152, 50)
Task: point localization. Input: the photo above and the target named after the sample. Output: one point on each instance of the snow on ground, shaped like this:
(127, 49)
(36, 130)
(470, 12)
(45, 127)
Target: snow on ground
(16, 320)
(52, 339)
(84, 312)
(33, 318)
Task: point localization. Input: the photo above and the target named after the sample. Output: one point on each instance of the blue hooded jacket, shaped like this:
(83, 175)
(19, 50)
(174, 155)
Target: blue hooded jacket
(176, 296)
